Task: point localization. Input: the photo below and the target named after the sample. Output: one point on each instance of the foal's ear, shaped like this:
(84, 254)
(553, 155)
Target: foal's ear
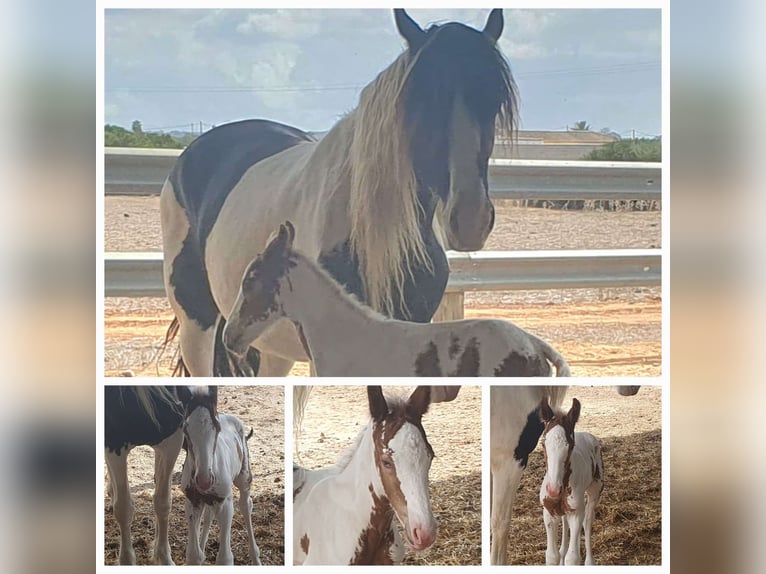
(184, 394)
(378, 405)
(212, 392)
(409, 29)
(290, 233)
(417, 404)
(494, 26)
(574, 413)
(545, 411)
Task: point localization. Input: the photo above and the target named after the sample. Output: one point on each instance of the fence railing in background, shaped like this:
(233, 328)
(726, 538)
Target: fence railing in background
(134, 171)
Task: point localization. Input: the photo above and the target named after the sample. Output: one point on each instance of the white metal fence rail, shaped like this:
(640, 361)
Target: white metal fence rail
(140, 274)
(134, 171)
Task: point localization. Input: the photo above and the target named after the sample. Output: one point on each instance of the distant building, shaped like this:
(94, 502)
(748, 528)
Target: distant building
(563, 145)
(535, 144)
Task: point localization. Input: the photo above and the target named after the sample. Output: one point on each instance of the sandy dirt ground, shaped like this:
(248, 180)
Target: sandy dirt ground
(601, 332)
(627, 529)
(261, 408)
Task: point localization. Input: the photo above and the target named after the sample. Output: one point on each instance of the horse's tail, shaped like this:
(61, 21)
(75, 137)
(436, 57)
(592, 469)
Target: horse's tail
(300, 400)
(250, 434)
(554, 357)
(151, 397)
(179, 369)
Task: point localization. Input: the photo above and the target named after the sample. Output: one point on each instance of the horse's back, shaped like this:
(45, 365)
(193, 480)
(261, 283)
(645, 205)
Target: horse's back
(128, 424)
(213, 164)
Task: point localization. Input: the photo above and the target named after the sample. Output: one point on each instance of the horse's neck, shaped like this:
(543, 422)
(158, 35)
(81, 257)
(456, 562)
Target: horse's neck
(324, 310)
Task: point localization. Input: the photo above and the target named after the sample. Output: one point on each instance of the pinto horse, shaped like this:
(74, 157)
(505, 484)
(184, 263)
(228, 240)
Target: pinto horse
(136, 416)
(412, 157)
(515, 428)
(345, 338)
(344, 514)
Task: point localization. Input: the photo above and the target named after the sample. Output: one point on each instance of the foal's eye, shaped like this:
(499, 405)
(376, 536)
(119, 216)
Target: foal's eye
(387, 464)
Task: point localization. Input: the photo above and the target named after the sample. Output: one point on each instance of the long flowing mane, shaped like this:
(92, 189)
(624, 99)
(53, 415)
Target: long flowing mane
(397, 111)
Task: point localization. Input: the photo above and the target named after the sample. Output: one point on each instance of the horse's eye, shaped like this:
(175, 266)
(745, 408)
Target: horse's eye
(387, 464)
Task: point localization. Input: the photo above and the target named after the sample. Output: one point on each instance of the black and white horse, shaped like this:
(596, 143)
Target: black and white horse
(136, 416)
(412, 157)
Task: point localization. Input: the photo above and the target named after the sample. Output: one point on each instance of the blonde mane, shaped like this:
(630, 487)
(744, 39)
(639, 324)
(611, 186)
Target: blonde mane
(383, 205)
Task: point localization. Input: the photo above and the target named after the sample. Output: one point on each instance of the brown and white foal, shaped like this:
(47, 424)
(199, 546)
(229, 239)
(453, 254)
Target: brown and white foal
(571, 489)
(344, 338)
(345, 514)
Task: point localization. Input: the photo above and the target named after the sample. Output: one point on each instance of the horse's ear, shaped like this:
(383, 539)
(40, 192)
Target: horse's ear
(213, 393)
(378, 405)
(184, 394)
(419, 400)
(574, 413)
(545, 410)
(494, 26)
(290, 233)
(409, 29)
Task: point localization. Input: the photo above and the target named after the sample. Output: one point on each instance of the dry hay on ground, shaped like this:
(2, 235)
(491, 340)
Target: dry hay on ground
(259, 407)
(628, 525)
(335, 415)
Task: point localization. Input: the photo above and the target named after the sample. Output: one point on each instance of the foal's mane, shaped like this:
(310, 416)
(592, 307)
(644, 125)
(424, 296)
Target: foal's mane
(383, 203)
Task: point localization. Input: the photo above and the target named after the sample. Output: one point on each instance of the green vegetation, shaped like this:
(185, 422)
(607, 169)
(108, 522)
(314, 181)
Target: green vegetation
(628, 150)
(116, 136)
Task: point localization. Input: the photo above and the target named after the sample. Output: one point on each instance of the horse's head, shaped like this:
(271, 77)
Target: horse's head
(558, 443)
(258, 304)
(458, 89)
(403, 458)
(201, 428)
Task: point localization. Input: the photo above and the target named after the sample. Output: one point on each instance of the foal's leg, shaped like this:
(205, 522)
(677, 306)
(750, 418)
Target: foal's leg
(207, 520)
(506, 476)
(122, 502)
(225, 515)
(194, 553)
(551, 526)
(575, 520)
(590, 513)
(165, 455)
(274, 366)
(246, 509)
(564, 540)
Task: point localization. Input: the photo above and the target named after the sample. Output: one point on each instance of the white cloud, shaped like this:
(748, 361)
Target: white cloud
(284, 24)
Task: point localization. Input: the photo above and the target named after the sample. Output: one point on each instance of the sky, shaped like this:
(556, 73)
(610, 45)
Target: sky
(173, 68)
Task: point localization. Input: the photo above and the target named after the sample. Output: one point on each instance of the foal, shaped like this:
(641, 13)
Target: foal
(344, 514)
(343, 337)
(571, 489)
(217, 458)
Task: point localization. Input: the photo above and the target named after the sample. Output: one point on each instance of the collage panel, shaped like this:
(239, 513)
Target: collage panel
(584, 459)
(377, 482)
(180, 460)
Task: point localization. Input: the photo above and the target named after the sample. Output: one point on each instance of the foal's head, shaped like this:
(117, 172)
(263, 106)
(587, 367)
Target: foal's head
(201, 428)
(558, 443)
(259, 302)
(403, 458)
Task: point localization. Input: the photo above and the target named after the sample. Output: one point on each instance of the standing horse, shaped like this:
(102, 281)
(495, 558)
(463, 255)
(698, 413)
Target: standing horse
(135, 416)
(344, 514)
(366, 197)
(515, 428)
(217, 458)
(344, 338)
(572, 486)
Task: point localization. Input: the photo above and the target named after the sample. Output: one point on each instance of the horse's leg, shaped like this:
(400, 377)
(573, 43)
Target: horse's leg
(246, 509)
(506, 475)
(225, 516)
(564, 540)
(274, 366)
(165, 455)
(575, 520)
(590, 513)
(122, 503)
(551, 526)
(207, 520)
(197, 347)
(194, 553)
